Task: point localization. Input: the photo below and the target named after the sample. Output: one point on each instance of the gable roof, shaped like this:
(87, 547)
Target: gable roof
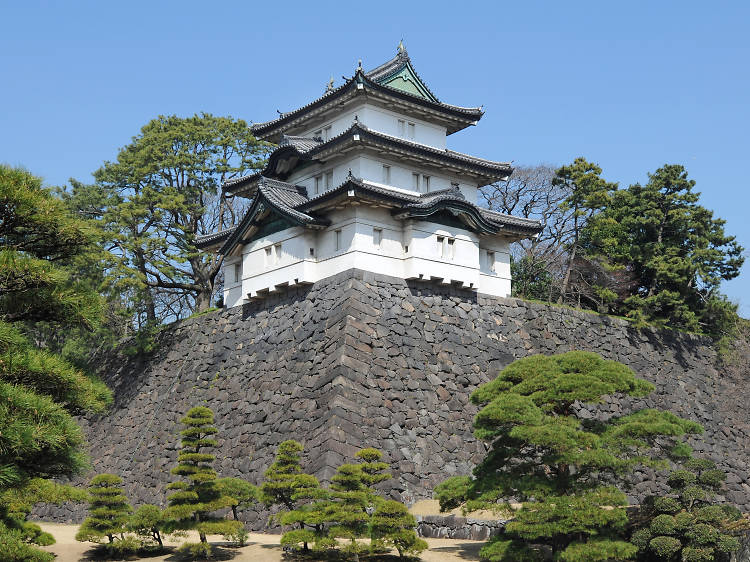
(385, 83)
(272, 196)
(285, 158)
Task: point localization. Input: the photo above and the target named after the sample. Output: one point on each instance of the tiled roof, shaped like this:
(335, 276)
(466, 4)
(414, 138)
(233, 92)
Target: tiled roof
(303, 144)
(211, 239)
(362, 81)
(292, 201)
(392, 67)
(309, 148)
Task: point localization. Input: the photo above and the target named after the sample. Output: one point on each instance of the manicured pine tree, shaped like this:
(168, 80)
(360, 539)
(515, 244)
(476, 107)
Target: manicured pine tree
(555, 462)
(287, 486)
(393, 525)
(686, 524)
(149, 522)
(109, 510)
(198, 495)
(241, 491)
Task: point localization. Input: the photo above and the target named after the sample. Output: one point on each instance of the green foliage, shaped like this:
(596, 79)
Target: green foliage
(239, 536)
(452, 492)
(198, 495)
(685, 524)
(200, 550)
(394, 526)
(160, 193)
(148, 522)
(108, 509)
(241, 491)
(39, 391)
(531, 278)
(542, 454)
(676, 250)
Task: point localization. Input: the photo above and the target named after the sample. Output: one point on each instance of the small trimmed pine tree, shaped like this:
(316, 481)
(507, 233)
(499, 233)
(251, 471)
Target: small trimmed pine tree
(198, 495)
(108, 508)
(686, 524)
(148, 522)
(393, 525)
(241, 491)
(286, 485)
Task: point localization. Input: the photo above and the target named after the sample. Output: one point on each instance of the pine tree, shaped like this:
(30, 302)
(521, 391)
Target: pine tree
(149, 522)
(686, 524)
(191, 506)
(243, 493)
(109, 511)
(555, 462)
(393, 525)
(39, 391)
(675, 249)
(287, 486)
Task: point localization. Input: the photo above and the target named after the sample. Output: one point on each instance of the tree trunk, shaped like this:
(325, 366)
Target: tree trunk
(234, 512)
(203, 300)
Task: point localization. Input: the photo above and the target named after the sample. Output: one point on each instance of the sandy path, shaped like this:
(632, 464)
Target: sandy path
(260, 547)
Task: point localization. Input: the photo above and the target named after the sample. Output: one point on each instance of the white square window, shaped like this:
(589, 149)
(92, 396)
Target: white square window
(329, 180)
(401, 127)
(415, 182)
(412, 129)
(337, 234)
(386, 174)
(377, 237)
(238, 272)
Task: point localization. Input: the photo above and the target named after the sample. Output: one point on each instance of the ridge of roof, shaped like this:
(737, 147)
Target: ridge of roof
(361, 77)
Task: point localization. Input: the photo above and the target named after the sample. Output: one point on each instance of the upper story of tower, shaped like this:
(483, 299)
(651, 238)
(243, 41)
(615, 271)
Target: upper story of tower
(385, 127)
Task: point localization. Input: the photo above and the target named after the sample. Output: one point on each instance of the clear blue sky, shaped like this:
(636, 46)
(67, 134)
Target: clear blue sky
(629, 85)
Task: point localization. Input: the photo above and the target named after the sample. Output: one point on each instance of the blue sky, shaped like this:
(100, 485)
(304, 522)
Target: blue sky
(629, 85)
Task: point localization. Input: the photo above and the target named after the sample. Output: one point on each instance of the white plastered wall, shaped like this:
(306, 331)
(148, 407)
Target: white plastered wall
(407, 249)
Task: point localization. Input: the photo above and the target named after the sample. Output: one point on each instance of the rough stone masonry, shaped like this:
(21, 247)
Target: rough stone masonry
(366, 360)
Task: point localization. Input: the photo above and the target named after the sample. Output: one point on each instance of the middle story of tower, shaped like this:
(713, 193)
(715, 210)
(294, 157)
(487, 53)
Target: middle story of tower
(361, 178)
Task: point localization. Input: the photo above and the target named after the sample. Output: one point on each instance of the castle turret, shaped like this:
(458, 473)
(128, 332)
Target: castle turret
(361, 178)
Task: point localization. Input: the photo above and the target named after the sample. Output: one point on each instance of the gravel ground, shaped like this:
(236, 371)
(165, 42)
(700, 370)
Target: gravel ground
(260, 548)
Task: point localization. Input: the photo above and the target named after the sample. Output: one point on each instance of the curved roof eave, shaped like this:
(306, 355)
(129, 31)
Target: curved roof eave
(358, 84)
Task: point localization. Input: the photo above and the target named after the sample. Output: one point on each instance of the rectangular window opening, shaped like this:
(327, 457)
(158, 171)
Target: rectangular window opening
(386, 174)
(401, 128)
(406, 249)
(451, 248)
(377, 237)
(268, 256)
(415, 182)
(412, 130)
(318, 184)
(441, 246)
(238, 272)
(277, 253)
(426, 183)
(312, 252)
(329, 180)
(491, 261)
(338, 239)
(327, 133)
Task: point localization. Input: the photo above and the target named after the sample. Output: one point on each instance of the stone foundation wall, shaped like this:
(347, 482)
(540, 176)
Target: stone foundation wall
(366, 360)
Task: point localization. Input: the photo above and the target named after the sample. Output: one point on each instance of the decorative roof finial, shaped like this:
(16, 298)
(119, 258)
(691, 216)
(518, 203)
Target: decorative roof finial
(401, 47)
(359, 65)
(329, 88)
